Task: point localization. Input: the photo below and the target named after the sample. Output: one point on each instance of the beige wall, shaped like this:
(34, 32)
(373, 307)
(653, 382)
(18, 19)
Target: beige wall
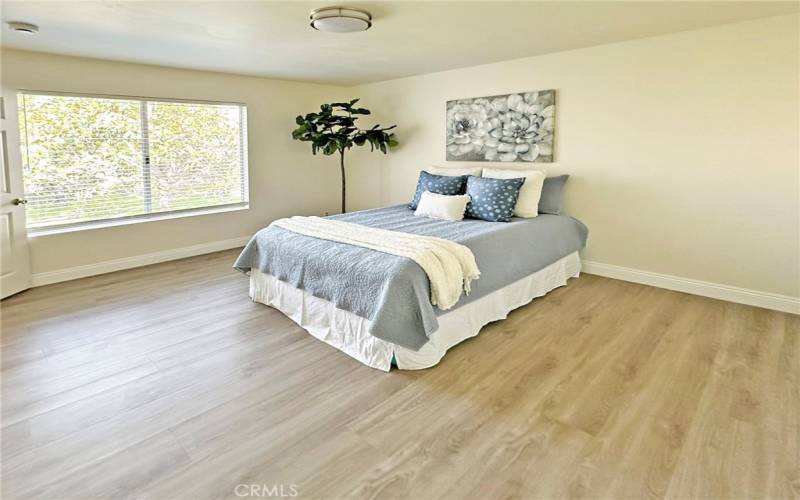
(683, 149)
(284, 177)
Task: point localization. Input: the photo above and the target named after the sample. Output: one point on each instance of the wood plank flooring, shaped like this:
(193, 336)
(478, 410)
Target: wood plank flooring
(167, 382)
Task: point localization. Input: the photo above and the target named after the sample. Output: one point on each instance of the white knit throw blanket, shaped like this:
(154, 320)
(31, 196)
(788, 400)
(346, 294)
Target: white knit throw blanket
(450, 266)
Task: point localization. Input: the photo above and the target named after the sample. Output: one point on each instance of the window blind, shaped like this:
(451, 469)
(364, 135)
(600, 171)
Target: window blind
(88, 159)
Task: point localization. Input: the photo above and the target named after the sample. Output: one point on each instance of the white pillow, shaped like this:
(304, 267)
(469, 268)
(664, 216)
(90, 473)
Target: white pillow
(442, 206)
(476, 171)
(530, 192)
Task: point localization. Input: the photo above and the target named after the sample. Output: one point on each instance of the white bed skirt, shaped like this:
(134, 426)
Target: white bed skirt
(350, 333)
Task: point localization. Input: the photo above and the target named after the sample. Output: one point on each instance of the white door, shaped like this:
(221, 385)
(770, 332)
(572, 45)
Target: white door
(15, 269)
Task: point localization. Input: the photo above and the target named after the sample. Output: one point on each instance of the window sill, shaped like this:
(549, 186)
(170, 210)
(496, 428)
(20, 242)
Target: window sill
(45, 231)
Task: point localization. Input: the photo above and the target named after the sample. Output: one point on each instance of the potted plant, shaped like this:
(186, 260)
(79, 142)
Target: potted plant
(334, 130)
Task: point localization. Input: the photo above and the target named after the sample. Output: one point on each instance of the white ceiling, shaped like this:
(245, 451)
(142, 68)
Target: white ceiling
(273, 38)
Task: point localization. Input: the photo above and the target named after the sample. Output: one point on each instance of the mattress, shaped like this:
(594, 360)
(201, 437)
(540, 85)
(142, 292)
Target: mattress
(350, 333)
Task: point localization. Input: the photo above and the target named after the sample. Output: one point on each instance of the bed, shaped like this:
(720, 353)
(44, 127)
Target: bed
(376, 306)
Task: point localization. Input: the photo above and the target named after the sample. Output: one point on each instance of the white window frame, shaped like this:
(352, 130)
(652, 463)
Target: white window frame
(171, 214)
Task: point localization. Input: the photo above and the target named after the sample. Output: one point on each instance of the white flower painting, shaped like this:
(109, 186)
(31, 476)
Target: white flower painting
(506, 128)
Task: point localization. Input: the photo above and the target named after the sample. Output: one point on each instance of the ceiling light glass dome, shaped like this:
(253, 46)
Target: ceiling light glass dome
(340, 19)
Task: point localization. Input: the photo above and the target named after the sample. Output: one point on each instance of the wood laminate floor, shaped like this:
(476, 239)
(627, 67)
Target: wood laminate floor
(167, 382)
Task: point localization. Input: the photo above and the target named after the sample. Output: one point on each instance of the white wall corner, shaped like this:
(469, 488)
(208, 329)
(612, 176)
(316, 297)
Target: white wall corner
(784, 303)
(109, 266)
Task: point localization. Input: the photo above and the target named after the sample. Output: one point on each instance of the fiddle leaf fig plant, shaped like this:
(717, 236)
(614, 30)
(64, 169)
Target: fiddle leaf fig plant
(333, 130)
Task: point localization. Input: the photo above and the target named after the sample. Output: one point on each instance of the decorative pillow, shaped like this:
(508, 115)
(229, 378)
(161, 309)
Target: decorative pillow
(530, 192)
(493, 199)
(442, 206)
(476, 171)
(552, 190)
(439, 184)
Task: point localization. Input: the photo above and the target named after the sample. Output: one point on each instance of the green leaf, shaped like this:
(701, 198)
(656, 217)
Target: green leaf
(330, 148)
(302, 128)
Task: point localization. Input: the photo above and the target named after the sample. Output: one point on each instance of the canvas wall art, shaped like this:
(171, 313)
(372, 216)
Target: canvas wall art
(506, 128)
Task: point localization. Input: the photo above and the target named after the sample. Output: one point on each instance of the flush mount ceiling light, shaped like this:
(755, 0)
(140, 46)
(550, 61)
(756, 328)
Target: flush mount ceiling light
(20, 27)
(340, 19)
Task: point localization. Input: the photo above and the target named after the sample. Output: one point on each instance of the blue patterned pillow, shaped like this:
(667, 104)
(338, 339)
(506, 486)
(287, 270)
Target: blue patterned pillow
(492, 199)
(439, 184)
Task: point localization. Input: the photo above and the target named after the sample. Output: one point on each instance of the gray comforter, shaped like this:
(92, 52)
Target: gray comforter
(393, 292)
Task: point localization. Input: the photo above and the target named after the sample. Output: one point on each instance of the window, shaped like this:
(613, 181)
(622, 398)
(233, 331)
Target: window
(90, 159)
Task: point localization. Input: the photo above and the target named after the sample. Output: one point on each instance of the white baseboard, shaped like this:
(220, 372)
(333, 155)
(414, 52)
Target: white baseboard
(784, 303)
(756, 298)
(109, 266)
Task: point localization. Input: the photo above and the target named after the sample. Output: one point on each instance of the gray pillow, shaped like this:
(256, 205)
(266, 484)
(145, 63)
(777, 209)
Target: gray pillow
(552, 190)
